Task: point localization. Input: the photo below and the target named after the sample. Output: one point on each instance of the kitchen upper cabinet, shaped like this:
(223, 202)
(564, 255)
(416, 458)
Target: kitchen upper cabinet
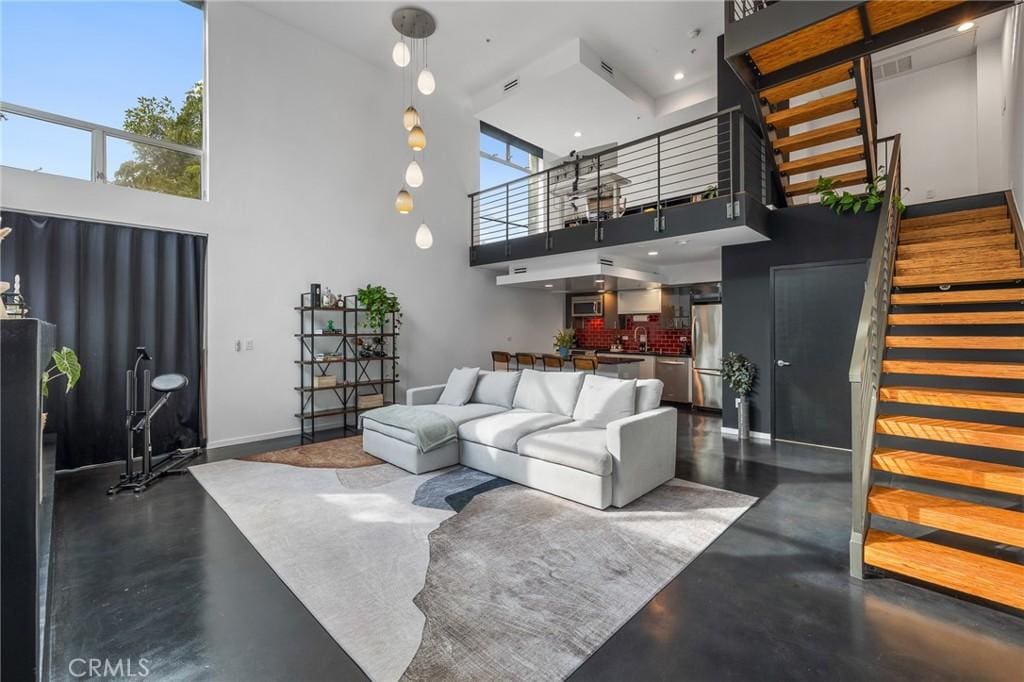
(611, 310)
(644, 301)
(675, 308)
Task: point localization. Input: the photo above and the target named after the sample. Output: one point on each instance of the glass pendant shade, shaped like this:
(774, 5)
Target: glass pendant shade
(414, 174)
(403, 202)
(424, 238)
(425, 83)
(417, 139)
(400, 54)
(411, 118)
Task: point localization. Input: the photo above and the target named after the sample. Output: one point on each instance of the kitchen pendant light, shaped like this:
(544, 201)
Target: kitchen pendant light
(417, 139)
(411, 118)
(400, 54)
(425, 83)
(414, 174)
(403, 202)
(424, 238)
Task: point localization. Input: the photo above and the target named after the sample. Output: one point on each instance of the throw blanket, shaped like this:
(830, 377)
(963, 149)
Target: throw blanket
(432, 430)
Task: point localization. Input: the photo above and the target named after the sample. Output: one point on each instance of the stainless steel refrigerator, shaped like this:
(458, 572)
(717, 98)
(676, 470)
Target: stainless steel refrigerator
(706, 341)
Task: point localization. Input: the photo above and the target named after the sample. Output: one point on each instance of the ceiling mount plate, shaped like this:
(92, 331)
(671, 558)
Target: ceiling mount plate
(413, 22)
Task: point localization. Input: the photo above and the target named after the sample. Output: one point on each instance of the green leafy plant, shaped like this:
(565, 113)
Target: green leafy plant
(65, 363)
(874, 194)
(564, 338)
(739, 373)
(710, 192)
(379, 303)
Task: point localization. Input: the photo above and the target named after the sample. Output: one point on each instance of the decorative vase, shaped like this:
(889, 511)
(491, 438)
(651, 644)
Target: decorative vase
(564, 352)
(743, 418)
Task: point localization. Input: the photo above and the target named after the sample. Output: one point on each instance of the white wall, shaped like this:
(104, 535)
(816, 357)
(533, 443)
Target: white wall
(306, 154)
(993, 160)
(1013, 84)
(935, 111)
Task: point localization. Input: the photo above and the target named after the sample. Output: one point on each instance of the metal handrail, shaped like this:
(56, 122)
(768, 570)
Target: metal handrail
(868, 350)
(1015, 221)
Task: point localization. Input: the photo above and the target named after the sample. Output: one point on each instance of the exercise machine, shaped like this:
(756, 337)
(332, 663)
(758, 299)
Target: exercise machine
(137, 421)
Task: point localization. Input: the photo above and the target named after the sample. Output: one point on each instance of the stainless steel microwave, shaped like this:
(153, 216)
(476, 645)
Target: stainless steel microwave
(587, 306)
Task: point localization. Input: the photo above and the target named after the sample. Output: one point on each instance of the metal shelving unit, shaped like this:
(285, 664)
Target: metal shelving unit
(359, 375)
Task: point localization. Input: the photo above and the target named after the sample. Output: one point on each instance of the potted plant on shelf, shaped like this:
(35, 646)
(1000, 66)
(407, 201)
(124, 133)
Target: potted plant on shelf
(65, 363)
(739, 374)
(564, 339)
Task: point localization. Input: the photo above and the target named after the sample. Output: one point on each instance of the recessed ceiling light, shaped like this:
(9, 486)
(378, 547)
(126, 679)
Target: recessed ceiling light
(681, 242)
(966, 26)
(652, 253)
(679, 75)
(548, 286)
(577, 134)
(599, 281)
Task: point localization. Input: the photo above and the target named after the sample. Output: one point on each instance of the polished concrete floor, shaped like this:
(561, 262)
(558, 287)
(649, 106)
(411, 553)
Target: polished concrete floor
(166, 577)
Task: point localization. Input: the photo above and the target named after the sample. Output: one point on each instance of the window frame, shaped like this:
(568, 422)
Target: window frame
(511, 141)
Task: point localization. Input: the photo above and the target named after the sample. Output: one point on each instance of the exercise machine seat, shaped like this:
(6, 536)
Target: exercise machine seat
(168, 383)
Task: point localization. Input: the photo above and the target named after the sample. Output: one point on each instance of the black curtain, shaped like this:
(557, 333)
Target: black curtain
(110, 288)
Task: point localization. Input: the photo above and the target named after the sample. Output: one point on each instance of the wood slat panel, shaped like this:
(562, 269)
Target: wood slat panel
(963, 277)
(954, 397)
(980, 370)
(955, 569)
(1000, 478)
(978, 228)
(957, 259)
(884, 15)
(810, 83)
(825, 160)
(956, 516)
(952, 431)
(1000, 240)
(824, 36)
(843, 130)
(819, 108)
(841, 180)
(1007, 295)
(953, 217)
(983, 317)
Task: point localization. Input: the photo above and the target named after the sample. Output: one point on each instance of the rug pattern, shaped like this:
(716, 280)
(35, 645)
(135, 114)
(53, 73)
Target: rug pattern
(339, 453)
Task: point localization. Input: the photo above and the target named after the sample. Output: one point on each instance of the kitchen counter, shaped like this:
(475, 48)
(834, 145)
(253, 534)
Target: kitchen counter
(604, 351)
(615, 360)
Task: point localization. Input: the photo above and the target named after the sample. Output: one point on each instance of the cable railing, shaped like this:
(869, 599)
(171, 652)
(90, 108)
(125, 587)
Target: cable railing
(738, 9)
(715, 156)
(868, 349)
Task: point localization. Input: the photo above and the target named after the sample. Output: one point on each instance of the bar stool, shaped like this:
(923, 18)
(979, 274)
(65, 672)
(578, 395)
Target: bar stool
(500, 357)
(553, 361)
(584, 363)
(525, 360)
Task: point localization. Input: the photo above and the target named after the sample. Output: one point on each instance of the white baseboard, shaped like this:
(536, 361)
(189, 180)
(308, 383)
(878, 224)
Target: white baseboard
(268, 435)
(754, 435)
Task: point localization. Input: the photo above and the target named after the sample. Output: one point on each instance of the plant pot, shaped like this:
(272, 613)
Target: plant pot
(564, 352)
(42, 423)
(743, 419)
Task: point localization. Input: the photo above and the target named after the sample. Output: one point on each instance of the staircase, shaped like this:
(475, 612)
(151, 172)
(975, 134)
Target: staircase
(947, 463)
(823, 124)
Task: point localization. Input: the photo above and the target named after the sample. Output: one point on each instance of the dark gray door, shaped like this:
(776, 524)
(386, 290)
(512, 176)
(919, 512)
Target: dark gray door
(815, 311)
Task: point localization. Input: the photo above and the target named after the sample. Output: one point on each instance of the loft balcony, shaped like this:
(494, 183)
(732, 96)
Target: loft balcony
(708, 174)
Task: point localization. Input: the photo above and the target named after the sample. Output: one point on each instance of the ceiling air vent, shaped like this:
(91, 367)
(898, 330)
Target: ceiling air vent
(607, 261)
(518, 271)
(514, 83)
(892, 68)
(608, 67)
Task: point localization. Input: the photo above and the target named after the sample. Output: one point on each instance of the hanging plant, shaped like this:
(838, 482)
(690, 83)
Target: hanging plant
(379, 304)
(844, 203)
(739, 373)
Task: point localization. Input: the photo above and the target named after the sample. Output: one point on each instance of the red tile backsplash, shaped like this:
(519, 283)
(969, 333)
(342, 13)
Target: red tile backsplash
(593, 335)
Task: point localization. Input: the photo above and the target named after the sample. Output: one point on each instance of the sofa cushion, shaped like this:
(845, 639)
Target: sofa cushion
(551, 392)
(504, 430)
(459, 387)
(648, 394)
(496, 388)
(459, 414)
(571, 445)
(603, 400)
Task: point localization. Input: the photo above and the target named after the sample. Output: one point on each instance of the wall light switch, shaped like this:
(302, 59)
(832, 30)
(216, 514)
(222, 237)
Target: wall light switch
(238, 345)
(249, 344)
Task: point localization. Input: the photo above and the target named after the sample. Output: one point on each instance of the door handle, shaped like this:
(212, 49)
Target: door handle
(782, 363)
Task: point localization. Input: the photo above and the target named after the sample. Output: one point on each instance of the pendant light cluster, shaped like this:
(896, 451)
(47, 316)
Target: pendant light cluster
(414, 26)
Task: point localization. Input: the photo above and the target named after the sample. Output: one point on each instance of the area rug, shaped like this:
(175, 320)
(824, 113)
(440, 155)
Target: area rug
(458, 575)
(340, 453)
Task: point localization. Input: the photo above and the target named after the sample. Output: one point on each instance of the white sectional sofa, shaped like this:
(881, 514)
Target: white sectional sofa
(592, 439)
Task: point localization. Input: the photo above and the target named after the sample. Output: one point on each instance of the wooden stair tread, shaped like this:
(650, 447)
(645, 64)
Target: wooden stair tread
(945, 513)
(981, 576)
(952, 431)
(823, 160)
(969, 215)
(969, 258)
(956, 342)
(809, 83)
(1000, 478)
(841, 180)
(980, 276)
(958, 231)
(1007, 295)
(969, 399)
(999, 240)
(812, 138)
(819, 108)
(943, 368)
(983, 317)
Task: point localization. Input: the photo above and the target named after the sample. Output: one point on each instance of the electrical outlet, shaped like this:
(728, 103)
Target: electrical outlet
(249, 344)
(737, 403)
(238, 345)
(930, 194)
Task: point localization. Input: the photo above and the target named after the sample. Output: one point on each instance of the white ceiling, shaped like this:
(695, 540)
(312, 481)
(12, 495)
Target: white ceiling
(946, 45)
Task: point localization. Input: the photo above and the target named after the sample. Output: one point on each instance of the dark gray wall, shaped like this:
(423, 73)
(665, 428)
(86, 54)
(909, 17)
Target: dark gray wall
(805, 234)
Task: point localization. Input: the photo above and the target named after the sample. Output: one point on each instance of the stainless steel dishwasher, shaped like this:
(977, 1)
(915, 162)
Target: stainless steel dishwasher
(675, 374)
